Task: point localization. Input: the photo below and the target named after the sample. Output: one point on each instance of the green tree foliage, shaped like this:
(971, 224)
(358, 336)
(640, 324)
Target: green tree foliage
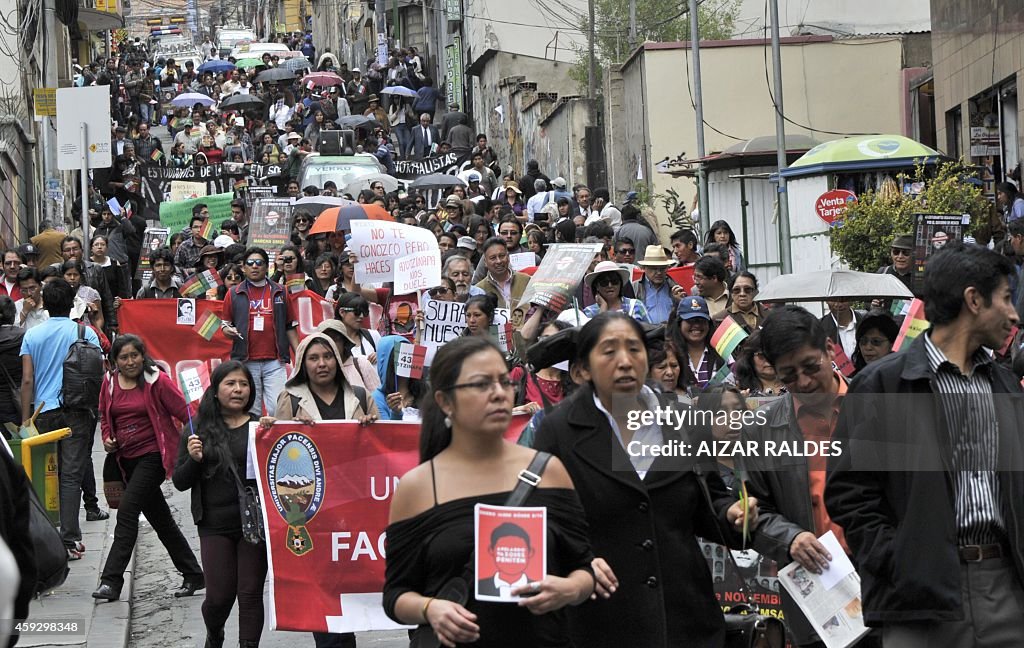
(656, 20)
(870, 226)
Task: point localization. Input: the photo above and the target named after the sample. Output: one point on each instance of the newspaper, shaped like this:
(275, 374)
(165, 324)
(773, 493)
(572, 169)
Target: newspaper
(830, 601)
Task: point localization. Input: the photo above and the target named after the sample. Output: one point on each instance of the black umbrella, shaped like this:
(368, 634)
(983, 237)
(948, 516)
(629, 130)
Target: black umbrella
(357, 121)
(275, 74)
(242, 102)
(436, 180)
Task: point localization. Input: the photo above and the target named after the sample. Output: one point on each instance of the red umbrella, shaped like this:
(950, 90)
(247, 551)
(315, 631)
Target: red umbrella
(337, 219)
(323, 79)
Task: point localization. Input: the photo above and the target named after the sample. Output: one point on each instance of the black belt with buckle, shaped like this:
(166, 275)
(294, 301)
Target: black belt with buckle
(977, 553)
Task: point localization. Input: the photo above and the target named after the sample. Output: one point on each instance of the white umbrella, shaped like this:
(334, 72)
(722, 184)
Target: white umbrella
(364, 182)
(832, 284)
(399, 90)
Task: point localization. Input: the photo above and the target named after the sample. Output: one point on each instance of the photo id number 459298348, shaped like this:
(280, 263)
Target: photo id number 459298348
(53, 626)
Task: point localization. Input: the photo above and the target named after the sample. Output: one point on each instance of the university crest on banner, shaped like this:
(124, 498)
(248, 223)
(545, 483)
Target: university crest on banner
(295, 479)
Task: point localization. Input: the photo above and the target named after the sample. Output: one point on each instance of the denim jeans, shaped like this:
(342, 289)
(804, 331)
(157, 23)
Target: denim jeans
(74, 455)
(144, 111)
(142, 494)
(268, 377)
(404, 135)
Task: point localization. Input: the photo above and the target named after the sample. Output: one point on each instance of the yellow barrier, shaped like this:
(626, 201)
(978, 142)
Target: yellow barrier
(39, 439)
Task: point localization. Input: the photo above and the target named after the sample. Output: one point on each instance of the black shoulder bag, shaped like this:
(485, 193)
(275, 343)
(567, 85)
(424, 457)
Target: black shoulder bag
(457, 589)
(745, 626)
(249, 507)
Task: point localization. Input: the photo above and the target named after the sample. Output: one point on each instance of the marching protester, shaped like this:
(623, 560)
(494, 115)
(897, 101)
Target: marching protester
(210, 462)
(669, 589)
(479, 315)
(720, 232)
(942, 411)
(689, 330)
(141, 414)
(465, 460)
(606, 281)
(876, 334)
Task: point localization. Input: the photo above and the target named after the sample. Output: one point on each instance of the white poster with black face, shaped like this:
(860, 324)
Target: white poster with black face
(186, 312)
(153, 239)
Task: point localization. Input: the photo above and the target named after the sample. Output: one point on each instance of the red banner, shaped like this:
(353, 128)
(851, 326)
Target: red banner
(326, 492)
(177, 346)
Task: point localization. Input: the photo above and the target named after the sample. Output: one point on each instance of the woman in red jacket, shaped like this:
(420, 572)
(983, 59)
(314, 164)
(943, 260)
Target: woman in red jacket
(138, 407)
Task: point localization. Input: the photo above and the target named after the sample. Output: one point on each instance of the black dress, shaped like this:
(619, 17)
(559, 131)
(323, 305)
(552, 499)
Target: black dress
(427, 550)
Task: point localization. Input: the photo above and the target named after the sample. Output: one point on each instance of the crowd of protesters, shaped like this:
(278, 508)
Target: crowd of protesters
(624, 566)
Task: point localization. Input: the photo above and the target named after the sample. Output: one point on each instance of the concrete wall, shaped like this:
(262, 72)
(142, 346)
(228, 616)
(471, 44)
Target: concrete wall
(975, 46)
(846, 86)
(527, 91)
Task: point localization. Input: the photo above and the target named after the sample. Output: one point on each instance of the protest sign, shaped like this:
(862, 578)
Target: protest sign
(270, 225)
(184, 190)
(443, 321)
(410, 360)
(377, 244)
(451, 163)
(511, 549)
(152, 240)
(758, 572)
(417, 271)
(562, 269)
(217, 178)
(521, 260)
(914, 324)
(683, 277)
(176, 215)
(326, 494)
(931, 233)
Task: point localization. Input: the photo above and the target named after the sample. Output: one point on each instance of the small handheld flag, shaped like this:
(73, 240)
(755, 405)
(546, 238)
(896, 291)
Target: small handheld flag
(208, 229)
(207, 325)
(913, 324)
(295, 283)
(728, 337)
(156, 155)
(115, 207)
(194, 382)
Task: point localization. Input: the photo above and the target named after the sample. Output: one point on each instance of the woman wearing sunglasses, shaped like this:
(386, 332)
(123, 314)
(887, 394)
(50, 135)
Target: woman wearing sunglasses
(606, 282)
(351, 309)
(742, 308)
(301, 223)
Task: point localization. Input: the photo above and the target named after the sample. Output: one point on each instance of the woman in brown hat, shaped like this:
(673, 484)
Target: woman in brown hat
(513, 198)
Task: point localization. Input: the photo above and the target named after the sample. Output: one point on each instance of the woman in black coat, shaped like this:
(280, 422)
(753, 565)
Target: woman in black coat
(654, 587)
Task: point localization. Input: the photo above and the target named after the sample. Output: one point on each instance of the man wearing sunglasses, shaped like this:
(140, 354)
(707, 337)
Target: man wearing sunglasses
(902, 267)
(259, 319)
(790, 490)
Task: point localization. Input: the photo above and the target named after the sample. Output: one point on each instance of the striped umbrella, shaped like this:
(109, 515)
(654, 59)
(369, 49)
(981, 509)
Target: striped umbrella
(337, 219)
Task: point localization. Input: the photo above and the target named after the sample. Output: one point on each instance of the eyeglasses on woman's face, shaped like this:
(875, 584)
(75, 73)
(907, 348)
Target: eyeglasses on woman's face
(481, 387)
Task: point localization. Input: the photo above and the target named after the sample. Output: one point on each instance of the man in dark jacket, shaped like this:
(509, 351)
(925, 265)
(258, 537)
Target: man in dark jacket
(526, 183)
(929, 487)
(790, 490)
(14, 531)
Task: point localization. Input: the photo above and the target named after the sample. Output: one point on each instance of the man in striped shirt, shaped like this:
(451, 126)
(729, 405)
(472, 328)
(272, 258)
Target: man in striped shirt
(930, 485)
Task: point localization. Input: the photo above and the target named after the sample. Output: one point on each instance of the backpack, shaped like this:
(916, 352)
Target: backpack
(83, 374)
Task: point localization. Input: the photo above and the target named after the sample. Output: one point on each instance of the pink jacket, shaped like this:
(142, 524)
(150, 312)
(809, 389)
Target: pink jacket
(164, 404)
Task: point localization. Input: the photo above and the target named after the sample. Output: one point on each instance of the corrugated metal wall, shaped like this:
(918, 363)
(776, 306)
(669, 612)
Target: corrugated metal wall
(756, 229)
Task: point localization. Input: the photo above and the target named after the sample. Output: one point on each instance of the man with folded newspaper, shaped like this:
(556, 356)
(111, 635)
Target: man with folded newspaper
(790, 489)
(930, 485)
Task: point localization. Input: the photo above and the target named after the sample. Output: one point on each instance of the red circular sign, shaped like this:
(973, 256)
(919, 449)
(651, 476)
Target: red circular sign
(831, 205)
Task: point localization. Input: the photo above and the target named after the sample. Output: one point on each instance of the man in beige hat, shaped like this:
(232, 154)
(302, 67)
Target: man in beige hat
(656, 291)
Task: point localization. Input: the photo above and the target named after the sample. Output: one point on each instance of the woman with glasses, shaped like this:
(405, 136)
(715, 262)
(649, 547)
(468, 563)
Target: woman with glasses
(232, 275)
(606, 282)
(754, 375)
(742, 308)
(397, 397)
(643, 514)
(876, 334)
(325, 269)
(689, 330)
(350, 309)
(465, 461)
(303, 220)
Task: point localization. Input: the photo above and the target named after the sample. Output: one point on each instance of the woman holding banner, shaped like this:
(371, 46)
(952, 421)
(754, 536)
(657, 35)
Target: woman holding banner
(211, 462)
(464, 461)
(141, 414)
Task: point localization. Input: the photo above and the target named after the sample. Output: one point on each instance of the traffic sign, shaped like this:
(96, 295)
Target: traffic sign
(91, 106)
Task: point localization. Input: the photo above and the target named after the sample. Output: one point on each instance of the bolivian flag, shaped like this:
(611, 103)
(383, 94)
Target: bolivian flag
(207, 325)
(156, 155)
(727, 337)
